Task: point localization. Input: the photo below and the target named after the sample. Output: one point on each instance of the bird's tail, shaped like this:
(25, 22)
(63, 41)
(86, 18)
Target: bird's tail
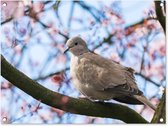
(144, 100)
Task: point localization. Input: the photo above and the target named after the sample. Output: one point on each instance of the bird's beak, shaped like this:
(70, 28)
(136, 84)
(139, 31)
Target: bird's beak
(66, 50)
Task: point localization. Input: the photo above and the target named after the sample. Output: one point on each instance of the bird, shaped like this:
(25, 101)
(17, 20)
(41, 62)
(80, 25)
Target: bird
(100, 79)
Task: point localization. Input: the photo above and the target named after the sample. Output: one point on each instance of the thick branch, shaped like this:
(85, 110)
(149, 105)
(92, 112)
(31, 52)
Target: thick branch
(160, 113)
(77, 106)
(160, 15)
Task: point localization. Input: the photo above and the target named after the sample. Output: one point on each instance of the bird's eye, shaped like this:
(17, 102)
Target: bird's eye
(76, 43)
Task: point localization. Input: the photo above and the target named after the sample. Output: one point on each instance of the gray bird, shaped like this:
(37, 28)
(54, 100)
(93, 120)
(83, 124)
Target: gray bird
(100, 79)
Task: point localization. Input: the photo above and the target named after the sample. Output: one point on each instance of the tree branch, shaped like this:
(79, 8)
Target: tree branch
(68, 104)
(160, 15)
(26, 11)
(160, 113)
(148, 79)
(51, 74)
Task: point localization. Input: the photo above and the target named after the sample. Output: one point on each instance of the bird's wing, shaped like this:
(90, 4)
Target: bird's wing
(104, 74)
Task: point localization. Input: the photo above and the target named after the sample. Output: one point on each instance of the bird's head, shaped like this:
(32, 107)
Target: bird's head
(76, 46)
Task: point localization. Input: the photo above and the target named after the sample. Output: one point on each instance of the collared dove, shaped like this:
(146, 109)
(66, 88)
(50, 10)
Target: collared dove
(98, 78)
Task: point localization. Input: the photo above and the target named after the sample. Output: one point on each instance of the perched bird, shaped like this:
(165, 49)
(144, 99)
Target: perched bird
(98, 78)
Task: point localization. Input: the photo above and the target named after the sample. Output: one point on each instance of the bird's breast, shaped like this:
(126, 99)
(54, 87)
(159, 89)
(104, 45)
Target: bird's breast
(78, 71)
(84, 78)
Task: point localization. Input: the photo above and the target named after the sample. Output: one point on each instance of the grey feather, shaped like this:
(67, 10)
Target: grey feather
(101, 79)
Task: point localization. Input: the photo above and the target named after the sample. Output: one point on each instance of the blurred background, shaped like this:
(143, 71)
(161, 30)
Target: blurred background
(33, 36)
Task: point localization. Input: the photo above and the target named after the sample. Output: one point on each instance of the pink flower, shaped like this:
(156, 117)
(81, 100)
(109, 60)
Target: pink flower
(58, 111)
(57, 78)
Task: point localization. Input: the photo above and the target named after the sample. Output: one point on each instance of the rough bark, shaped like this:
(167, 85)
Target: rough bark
(65, 103)
(160, 15)
(160, 113)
